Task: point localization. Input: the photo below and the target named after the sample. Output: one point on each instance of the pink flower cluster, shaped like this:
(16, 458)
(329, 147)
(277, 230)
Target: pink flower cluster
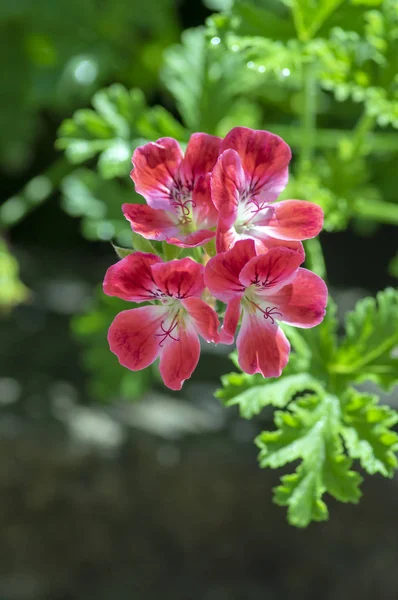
(222, 191)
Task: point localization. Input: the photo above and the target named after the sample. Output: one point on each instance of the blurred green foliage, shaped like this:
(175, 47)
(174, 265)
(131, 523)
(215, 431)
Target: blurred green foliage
(107, 375)
(54, 59)
(12, 290)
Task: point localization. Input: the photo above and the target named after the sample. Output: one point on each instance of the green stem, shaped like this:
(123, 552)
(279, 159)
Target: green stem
(321, 15)
(371, 356)
(362, 128)
(377, 210)
(313, 248)
(197, 254)
(314, 257)
(308, 117)
(330, 139)
(299, 21)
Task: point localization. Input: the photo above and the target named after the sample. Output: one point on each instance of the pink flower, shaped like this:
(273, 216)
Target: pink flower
(168, 327)
(249, 175)
(263, 289)
(177, 190)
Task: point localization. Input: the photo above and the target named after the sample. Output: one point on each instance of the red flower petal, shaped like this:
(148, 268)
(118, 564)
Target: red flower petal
(302, 303)
(294, 220)
(222, 271)
(155, 167)
(231, 320)
(271, 271)
(265, 158)
(131, 278)
(191, 240)
(204, 318)
(179, 278)
(178, 359)
(132, 336)
(265, 242)
(262, 346)
(151, 223)
(200, 156)
(205, 214)
(227, 186)
(226, 237)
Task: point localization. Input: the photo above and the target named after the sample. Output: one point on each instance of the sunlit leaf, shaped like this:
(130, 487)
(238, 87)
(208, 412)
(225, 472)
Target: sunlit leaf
(309, 432)
(369, 349)
(367, 432)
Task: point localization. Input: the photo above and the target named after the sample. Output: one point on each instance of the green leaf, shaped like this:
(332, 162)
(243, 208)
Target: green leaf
(115, 160)
(314, 348)
(122, 252)
(108, 130)
(269, 60)
(98, 203)
(158, 120)
(265, 19)
(141, 244)
(368, 351)
(204, 79)
(262, 393)
(119, 123)
(170, 251)
(298, 491)
(367, 432)
(236, 383)
(310, 15)
(309, 432)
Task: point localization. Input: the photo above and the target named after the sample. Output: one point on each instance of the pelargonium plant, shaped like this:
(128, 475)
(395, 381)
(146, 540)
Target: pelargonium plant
(242, 247)
(218, 255)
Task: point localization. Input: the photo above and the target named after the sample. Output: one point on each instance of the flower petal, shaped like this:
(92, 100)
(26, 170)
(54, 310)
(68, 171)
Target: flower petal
(272, 270)
(222, 271)
(178, 359)
(200, 157)
(204, 318)
(179, 278)
(265, 158)
(155, 167)
(262, 346)
(265, 242)
(131, 278)
(227, 186)
(151, 223)
(302, 303)
(226, 237)
(294, 220)
(190, 240)
(132, 336)
(205, 214)
(231, 320)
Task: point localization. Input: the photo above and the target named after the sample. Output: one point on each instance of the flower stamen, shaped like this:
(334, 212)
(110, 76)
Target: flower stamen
(182, 196)
(269, 312)
(168, 332)
(258, 207)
